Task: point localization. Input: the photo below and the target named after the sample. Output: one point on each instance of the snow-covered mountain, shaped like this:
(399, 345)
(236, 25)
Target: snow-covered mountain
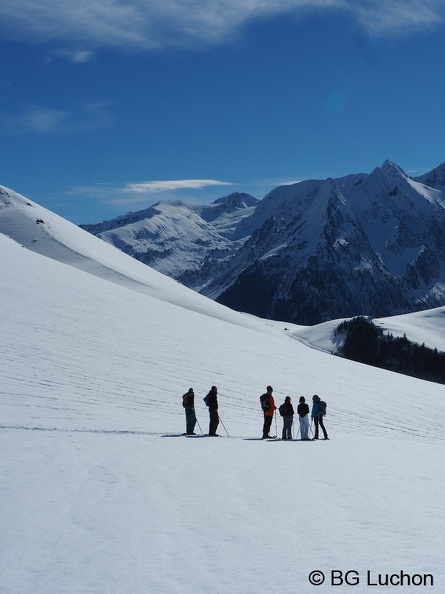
(99, 491)
(370, 244)
(189, 242)
(364, 244)
(434, 179)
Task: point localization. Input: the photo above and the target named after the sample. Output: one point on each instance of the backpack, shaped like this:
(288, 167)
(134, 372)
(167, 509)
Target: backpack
(264, 399)
(282, 410)
(322, 407)
(206, 400)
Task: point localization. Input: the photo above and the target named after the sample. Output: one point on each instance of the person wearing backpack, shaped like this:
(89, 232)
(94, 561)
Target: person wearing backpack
(303, 416)
(287, 412)
(211, 401)
(188, 402)
(268, 407)
(318, 412)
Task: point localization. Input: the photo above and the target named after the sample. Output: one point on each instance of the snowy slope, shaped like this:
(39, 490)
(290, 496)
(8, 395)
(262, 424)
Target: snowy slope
(423, 327)
(59, 239)
(96, 351)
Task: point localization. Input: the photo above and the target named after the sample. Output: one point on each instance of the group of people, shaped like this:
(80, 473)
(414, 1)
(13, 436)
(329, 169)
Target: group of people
(287, 412)
(268, 407)
(211, 400)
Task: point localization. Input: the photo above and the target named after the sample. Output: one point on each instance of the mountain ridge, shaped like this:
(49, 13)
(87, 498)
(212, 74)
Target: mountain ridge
(362, 244)
(369, 244)
(308, 252)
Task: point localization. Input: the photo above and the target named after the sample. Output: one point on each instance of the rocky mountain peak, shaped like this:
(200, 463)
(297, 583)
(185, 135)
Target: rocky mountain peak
(237, 200)
(364, 244)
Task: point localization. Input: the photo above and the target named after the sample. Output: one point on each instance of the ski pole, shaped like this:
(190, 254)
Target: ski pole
(199, 427)
(276, 428)
(220, 420)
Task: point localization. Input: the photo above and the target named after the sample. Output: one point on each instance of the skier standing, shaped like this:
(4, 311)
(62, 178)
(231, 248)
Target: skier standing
(317, 415)
(188, 402)
(303, 415)
(287, 412)
(268, 406)
(211, 401)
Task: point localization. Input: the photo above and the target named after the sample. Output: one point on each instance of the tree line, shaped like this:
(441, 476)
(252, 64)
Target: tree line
(366, 343)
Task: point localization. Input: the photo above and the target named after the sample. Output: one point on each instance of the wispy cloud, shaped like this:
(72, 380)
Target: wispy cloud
(399, 17)
(151, 187)
(133, 195)
(145, 24)
(36, 120)
(43, 120)
(75, 56)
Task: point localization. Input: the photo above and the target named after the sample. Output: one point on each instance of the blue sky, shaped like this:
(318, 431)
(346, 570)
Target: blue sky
(107, 107)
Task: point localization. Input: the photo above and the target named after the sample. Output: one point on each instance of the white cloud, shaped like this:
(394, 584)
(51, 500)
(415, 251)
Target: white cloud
(149, 187)
(43, 120)
(137, 194)
(384, 18)
(146, 24)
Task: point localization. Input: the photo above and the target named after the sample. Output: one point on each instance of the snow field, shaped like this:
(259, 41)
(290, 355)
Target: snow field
(97, 498)
(113, 513)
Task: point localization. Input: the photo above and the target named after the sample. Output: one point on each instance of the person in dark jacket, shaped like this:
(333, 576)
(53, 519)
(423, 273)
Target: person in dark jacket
(211, 401)
(287, 412)
(303, 416)
(267, 401)
(317, 415)
(188, 402)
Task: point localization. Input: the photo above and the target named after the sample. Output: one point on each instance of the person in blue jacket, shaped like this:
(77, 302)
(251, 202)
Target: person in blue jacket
(317, 417)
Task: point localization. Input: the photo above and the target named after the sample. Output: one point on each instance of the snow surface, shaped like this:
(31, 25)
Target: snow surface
(101, 494)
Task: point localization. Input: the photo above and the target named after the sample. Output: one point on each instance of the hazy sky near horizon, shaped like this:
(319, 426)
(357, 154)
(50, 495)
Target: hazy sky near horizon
(107, 107)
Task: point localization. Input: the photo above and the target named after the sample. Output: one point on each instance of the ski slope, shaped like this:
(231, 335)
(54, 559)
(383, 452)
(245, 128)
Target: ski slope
(101, 494)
